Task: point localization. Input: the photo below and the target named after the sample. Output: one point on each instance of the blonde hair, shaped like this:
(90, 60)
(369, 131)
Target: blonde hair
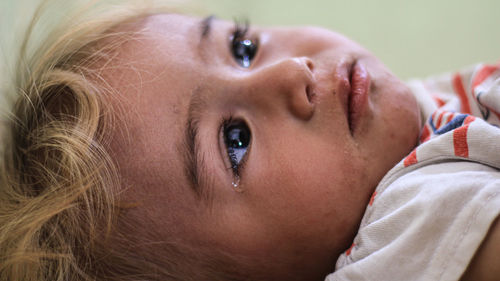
(58, 184)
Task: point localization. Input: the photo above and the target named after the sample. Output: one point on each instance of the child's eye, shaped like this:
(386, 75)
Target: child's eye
(237, 139)
(243, 49)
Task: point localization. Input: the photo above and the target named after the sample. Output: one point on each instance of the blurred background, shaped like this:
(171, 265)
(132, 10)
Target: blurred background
(413, 38)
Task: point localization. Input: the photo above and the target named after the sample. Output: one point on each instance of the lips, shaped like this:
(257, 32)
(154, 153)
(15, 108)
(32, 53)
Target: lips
(357, 95)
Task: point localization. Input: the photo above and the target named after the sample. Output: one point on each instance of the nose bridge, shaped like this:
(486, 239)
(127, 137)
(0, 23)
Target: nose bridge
(286, 84)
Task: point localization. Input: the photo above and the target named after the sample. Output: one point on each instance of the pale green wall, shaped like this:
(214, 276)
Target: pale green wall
(414, 38)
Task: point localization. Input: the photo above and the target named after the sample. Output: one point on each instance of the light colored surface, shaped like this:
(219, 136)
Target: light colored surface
(414, 38)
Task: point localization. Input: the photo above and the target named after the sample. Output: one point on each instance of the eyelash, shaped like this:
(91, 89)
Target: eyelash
(241, 28)
(236, 167)
(239, 36)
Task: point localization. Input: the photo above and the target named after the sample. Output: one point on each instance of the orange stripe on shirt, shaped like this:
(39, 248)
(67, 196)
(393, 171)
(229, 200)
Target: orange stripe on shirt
(438, 122)
(469, 119)
(438, 101)
(433, 116)
(482, 75)
(425, 134)
(411, 159)
(348, 252)
(372, 198)
(449, 117)
(458, 86)
(460, 144)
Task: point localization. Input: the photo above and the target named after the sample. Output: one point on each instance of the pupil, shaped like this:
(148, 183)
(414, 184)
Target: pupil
(238, 137)
(244, 51)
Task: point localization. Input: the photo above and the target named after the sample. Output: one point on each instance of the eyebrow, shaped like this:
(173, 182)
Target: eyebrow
(204, 29)
(206, 26)
(193, 160)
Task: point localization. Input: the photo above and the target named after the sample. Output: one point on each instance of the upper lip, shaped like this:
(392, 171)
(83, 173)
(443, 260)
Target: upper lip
(343, 87)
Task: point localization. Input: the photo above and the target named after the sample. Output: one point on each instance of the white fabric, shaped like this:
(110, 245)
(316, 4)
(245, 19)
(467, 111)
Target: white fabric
(431, 212)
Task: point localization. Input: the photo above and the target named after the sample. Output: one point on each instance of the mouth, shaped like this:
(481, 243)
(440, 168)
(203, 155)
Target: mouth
(357, 95)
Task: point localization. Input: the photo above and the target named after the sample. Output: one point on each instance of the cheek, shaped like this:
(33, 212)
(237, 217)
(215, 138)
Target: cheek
(395, 127)
(403, 117)
(307, 164)
(312, 190)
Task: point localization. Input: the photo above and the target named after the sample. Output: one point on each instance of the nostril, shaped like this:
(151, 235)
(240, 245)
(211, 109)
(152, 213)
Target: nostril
(310, 94)
(310, 64)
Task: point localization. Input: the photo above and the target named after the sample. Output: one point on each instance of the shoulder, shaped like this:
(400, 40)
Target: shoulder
(485, 265)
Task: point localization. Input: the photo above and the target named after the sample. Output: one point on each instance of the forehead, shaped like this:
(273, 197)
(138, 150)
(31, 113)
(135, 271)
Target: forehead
(177, 32)
(153, 75)
(163, 43)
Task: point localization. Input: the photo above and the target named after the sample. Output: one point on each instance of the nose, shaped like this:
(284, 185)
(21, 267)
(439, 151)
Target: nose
(286, 84)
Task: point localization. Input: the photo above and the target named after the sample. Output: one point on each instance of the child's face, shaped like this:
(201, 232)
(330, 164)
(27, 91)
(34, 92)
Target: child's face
(311, 158)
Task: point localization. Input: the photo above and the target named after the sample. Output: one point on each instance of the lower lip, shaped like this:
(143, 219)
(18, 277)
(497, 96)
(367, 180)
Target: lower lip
(358, 96)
